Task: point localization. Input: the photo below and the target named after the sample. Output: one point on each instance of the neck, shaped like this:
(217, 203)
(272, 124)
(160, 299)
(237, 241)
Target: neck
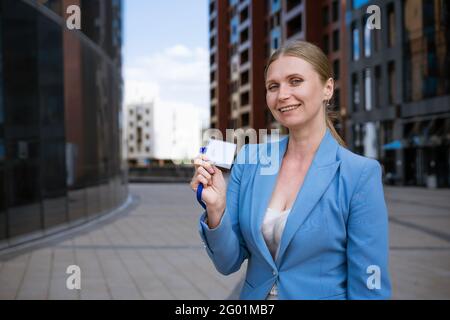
(304, 141)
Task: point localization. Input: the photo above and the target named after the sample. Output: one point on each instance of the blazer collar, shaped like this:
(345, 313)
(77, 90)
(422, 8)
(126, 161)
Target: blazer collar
(320, 173)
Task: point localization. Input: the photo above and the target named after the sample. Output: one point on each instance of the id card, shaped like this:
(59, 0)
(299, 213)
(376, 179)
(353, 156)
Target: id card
(220, 153)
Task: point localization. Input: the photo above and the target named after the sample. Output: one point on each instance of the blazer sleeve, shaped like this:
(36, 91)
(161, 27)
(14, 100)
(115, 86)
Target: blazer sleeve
(367, 238)
(225, 244)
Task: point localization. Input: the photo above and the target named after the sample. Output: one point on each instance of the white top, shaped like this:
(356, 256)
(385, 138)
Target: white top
(272, 230)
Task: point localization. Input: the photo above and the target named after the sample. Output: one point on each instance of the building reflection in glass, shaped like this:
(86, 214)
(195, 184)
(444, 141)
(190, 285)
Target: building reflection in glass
(60, 102)
(426, 45)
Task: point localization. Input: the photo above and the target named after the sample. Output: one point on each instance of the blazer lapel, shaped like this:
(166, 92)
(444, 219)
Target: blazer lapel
(320, 174)
(263, 187)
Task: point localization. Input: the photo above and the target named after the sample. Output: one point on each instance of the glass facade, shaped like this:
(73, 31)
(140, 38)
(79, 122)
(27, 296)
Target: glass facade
(60, 101)
(426, 45)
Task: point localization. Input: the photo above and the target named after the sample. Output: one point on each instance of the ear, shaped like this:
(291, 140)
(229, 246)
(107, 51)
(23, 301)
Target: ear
(328, 89)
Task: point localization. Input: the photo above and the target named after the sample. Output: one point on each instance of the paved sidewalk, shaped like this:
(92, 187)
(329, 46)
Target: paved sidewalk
(153, 251)
(419, 242)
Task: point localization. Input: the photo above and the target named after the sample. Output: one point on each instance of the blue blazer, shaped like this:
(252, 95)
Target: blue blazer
(335, 242)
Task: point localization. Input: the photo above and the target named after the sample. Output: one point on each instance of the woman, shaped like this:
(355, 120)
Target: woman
(318, 228)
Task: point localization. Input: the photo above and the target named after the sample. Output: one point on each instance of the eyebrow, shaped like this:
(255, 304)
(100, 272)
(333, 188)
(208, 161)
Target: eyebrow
(287, 77)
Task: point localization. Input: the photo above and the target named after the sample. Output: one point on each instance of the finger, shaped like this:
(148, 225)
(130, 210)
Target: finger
(217, 170)
(201, 163)
(205, 173)
(203, 180)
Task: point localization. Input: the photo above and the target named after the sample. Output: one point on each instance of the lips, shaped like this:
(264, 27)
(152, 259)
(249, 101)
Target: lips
(289, 108)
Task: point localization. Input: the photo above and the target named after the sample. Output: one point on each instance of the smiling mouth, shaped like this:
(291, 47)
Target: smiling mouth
(289, 108)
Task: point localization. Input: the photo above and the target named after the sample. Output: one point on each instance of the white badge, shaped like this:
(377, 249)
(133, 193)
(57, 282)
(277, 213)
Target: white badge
(221, 153)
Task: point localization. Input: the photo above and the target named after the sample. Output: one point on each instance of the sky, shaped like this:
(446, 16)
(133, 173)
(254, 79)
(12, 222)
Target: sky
(165, 52)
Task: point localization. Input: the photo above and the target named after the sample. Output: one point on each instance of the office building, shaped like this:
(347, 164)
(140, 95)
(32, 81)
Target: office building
(399, 89)
(60, 105)
(243, 34)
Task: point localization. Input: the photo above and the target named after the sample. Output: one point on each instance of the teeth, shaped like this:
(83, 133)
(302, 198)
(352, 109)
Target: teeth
(289, 108)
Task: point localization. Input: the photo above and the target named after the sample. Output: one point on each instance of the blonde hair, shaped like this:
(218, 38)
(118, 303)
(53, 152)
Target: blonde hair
(315, 56)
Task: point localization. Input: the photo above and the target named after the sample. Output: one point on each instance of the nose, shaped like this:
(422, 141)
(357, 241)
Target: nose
(283, 93)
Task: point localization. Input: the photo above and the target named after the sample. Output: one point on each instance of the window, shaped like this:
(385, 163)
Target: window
(391, 82)
(391, 25)
(325, 16)
(245, 119)
(244, 56)
(244, 14)
(370, 140)
(335, 11)
(377, 41)
(378, 85)
(244, 35)
(358, 3)
(234, 30)
(326, 44)
(355, 90)
(368, 89)
(234, 86)
(355, 47)
(335, 40)
(275, 20)
(367, 39)
(245, 99)
(244, 77)
(358, 137)
(291, 4)
(294, 26)
(336, 69)
(276, 38)
(275, 43)
(276, 6)
(233, 49)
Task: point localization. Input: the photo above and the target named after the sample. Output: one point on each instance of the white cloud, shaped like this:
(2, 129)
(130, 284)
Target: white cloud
(178, 51)
(140, 91)
(177, 76)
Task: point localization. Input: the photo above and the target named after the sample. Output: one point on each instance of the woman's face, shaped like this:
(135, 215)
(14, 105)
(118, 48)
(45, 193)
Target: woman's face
(292, 82)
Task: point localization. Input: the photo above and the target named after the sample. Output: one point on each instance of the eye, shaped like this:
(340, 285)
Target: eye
(296, 81)
(272, 87)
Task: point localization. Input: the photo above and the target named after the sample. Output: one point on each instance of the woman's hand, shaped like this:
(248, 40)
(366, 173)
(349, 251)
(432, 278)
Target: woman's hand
(214, 188)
